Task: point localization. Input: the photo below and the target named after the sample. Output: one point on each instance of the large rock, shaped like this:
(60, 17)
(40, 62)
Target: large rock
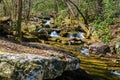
(99, 48)
(36, 67)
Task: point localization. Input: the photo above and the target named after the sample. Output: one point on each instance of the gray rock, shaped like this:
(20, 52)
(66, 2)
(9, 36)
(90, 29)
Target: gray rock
(34, 67)
(99, 48)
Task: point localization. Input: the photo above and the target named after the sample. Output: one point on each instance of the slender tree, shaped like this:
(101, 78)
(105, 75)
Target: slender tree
(19, 20)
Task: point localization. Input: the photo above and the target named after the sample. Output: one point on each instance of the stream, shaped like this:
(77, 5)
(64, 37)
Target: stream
(98, 68)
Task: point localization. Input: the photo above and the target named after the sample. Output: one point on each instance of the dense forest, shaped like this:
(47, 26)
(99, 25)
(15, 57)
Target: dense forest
(88, 30)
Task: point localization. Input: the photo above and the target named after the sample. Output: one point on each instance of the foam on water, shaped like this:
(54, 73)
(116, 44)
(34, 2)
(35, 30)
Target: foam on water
(54, 34)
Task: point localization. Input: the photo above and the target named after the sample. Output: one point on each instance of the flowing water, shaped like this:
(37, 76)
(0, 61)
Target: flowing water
(48, 22)
(80, 35)
(54, 34)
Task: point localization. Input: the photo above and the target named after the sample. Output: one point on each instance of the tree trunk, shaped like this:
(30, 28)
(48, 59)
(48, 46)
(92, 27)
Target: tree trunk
(28, 14)
(15, 9)
(19, 20)
(27, 11)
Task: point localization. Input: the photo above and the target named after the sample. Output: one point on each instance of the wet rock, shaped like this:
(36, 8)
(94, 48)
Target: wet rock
(99, 48)
(55, 39)
(34, 67)
(74, 42)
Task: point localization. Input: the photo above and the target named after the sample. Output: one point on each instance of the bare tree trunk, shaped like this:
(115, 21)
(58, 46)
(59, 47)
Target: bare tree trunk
(70, 8)
(26, 10)
(15, 9)
(19, 20)
(85, 21)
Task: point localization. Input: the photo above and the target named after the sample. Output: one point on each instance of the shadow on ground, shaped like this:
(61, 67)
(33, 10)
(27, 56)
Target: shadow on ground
(74, 75)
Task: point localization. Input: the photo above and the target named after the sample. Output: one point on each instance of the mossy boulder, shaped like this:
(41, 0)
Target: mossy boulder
(6, 70)
(34, 67)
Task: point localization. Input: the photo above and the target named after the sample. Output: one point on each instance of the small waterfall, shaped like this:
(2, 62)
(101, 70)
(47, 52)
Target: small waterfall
(116, 73)
(70, 35)
(54, 34)
(80, 35)
(48, 22)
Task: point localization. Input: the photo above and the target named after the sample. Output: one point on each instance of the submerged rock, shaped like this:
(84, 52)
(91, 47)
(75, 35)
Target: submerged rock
(34, 67)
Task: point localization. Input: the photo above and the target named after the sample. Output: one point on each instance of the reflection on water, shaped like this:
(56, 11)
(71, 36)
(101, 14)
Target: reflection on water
(54, 34)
